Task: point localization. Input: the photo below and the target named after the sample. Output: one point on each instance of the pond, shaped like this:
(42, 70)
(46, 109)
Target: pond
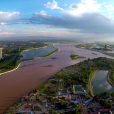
(37, 52)
(100, 83)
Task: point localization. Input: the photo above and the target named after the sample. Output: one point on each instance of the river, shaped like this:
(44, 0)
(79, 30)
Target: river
(100, 83)
(32, 74)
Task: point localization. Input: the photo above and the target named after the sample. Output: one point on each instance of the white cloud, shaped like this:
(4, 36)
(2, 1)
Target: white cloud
(110, 8)
(42, 13)
(104, 2)
(2, 23)
(9, 13)
(84, 6)
(53, 5)
(8, 16)
(111, 16)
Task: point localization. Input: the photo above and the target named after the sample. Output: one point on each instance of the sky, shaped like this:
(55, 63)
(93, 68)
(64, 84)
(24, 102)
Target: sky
(86, 19)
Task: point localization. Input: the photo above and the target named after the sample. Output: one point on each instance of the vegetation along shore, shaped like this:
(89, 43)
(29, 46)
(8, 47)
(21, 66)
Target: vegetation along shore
(13, 65)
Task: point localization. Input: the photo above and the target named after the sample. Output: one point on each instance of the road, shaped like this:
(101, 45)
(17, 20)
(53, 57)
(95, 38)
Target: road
(10, 60)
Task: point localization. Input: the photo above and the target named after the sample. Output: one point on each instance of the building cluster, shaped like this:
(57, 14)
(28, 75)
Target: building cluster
(55, 98)
(105, 48)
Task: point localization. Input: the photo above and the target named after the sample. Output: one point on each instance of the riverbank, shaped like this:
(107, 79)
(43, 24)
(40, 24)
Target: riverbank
(31, 60)
(89, 85)
(52, 52)
(103, 52)
(29, 50)
(33, 48)
(108, 79)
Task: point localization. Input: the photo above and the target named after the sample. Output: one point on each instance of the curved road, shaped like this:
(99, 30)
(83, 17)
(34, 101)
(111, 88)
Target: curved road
(31, 74)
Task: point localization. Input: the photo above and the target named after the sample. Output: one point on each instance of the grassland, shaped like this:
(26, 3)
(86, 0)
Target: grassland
(87, 46)
(74, 57)
(94, 53)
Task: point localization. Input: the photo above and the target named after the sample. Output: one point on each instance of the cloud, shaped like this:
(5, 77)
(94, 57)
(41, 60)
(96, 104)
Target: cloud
(53, 5)
(9, 16)
(41, 13)
(2, 23)
(10, 13)
(84, 6)
(104, 2)
(87, 23)
(7, 33)
(73, 6)
(110, 8)
(32, 28)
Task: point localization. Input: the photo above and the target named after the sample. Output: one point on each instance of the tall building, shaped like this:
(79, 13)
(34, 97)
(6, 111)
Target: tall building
(106, 47)
(0, 53)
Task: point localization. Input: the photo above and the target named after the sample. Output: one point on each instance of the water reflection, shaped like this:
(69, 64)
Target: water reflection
(100, 83)
(37, 52)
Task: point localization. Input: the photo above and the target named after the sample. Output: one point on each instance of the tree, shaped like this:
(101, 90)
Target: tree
(71, 89)
(63, 104)
(50, 98)
(78, 110)
(51, 111)
(88, 59)
(37, 98)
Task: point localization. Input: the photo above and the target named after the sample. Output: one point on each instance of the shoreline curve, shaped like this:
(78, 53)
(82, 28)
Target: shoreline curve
(30, 60)
(109, 79)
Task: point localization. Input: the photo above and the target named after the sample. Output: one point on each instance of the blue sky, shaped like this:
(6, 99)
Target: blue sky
(93, 19)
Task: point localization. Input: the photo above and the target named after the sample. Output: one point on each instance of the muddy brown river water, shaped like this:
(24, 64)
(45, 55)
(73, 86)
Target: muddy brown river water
(31, 74)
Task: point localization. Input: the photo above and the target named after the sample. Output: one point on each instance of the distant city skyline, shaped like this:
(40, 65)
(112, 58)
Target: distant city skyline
(86, 19)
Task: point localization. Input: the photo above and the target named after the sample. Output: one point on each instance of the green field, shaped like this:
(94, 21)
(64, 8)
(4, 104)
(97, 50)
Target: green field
(77, 89)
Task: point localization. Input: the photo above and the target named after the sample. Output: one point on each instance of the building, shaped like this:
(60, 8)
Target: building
(0, 53)
(105, 111)
(106, 47)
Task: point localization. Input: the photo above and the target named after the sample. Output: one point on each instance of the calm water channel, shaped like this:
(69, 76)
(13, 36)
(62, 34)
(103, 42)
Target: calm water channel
(37, 52)
(100, 83)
